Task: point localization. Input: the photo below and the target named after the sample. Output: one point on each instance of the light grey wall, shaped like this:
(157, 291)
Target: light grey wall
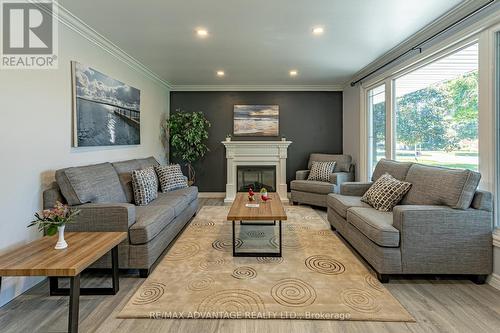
(35, 136)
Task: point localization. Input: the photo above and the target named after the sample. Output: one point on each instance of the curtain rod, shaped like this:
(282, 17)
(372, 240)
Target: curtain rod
(419, 45)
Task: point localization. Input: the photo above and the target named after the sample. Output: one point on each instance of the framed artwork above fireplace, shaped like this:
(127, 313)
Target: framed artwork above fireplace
(256, 120)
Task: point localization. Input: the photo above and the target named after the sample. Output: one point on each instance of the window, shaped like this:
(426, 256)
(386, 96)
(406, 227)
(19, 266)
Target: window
(436, 112)
(377, 114)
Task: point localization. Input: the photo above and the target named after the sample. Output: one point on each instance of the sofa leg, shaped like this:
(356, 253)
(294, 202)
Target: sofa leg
(143, 273)
(295, 203)
(479, 279)
(383, 278)
(333, 228)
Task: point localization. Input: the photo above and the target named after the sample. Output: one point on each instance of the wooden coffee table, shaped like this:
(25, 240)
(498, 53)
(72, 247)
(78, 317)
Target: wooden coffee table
(39, 258)
(271, 210)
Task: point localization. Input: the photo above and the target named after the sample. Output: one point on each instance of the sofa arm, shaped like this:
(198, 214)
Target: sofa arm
(338, 178)
(302, 174)
(95, 217)
(354, 188)
(442, 240)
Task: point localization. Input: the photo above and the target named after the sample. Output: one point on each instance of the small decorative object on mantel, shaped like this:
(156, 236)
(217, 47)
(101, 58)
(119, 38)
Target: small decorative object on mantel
(54, 220)
(228, 137)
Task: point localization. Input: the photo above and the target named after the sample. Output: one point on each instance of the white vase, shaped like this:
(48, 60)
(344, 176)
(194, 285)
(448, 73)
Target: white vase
(61, 243)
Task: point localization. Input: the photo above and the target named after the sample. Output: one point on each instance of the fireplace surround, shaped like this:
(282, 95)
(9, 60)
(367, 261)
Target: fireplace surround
(256, 154)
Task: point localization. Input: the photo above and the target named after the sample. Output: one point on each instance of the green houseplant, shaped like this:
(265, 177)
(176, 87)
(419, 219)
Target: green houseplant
(188, 132)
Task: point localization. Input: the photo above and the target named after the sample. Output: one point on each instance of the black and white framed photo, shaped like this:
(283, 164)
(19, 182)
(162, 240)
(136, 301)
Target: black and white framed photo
(106, 112)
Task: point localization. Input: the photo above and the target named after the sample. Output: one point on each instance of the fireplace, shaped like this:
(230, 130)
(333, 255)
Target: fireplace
(256, 177)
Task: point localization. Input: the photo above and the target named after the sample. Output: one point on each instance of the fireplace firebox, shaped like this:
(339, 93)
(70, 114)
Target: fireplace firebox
(256, 177)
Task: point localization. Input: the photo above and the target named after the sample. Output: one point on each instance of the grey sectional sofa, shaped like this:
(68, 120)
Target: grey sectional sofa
(442, 226)
(103, 194)
(315, 192)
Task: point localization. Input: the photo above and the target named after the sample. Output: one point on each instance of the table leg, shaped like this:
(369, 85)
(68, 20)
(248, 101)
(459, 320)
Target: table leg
(281, 240)
(234, 240)
(74, 303)
(114, 267)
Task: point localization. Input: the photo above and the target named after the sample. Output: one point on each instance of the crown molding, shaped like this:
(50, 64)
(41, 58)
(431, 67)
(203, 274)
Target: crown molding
(257, 87)
(439, 24)
(71, 21)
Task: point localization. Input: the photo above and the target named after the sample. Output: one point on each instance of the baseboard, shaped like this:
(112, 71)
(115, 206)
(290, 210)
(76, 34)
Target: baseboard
(494, 281)
(212, 195)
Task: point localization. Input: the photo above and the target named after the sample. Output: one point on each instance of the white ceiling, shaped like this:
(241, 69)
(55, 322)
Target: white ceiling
(257, 42)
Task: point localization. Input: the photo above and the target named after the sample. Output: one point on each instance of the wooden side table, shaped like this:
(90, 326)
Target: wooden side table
(39, 258)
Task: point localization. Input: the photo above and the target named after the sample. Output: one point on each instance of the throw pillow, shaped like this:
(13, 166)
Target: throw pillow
(171, 177)
(386, 193)
(321, 171)
(145, 186)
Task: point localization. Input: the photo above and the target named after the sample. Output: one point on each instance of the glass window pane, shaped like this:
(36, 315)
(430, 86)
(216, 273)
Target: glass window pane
(437, 112)
(377, 112)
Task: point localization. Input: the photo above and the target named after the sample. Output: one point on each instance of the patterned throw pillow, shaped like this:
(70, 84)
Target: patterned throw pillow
(385, 193)
(171, 177)
(145, 185)
(321, 171)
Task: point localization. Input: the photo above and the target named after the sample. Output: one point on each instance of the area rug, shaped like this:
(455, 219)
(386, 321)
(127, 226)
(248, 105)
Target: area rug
(317, 277)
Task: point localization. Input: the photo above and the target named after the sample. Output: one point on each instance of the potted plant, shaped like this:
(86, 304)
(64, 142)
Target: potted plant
(188, 132)
(228, 137)
(53, 220)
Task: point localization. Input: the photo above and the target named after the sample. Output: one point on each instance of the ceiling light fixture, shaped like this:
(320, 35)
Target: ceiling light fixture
(293, 72)
(220, 73)
(318, 30)
(202, 32)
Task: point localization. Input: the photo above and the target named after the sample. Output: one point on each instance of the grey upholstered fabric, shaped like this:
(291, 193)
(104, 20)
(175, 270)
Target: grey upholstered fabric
(124, 170)
(103, 217)
(308, 198)
(343, 161)
(483, 200)
(354, 188)
(385, 260)
(66, 188)
(302, 174)
(341, 177)
(441, 186)
(312, 186)
(341, 203)
(375, 225)
(93, 183)
(177, 202)
(52, 195)
(147, 162)
(396, 169)
(191, 193)
(150, 221)
(442, 240)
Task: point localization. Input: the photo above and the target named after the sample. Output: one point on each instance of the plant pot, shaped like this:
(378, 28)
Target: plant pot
(61, 243)
(228, 139)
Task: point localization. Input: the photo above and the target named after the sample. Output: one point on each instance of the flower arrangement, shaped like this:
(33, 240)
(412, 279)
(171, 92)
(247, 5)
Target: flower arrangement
(50, 219)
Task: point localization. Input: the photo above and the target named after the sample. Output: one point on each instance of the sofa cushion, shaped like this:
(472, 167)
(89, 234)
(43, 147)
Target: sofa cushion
(321, 171)
(150, 220)
(312, 186)
(124, 170)
(385, 193)
(341, 203)
(191, 193)
(145, 185)
(343, 161)
(90, 184)
(396, 169)
(431, 185)
(375, 225)
(170, 177)
(147, 162)
(177, 202)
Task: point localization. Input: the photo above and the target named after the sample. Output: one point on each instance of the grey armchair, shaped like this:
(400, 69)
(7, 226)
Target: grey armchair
(315, 192)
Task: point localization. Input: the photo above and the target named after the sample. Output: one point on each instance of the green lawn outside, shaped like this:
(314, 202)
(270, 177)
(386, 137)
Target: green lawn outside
(454, 159)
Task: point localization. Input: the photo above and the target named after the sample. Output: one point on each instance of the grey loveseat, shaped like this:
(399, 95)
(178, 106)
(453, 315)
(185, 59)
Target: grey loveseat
(315, 192)
(103, 194)
(442, 226)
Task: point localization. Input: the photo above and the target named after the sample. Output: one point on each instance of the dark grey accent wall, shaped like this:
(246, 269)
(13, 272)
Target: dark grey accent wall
(312, 120)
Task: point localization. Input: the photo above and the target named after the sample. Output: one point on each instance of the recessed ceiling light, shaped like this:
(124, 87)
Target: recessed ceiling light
(318, 30)
(220, 73)
(293, 72)
(202, 32)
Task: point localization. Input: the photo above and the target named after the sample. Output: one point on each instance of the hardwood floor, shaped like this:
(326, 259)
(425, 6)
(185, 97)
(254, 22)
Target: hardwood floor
(452, 305)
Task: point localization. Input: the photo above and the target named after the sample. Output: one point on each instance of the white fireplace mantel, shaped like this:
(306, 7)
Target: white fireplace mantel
(263, 153)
